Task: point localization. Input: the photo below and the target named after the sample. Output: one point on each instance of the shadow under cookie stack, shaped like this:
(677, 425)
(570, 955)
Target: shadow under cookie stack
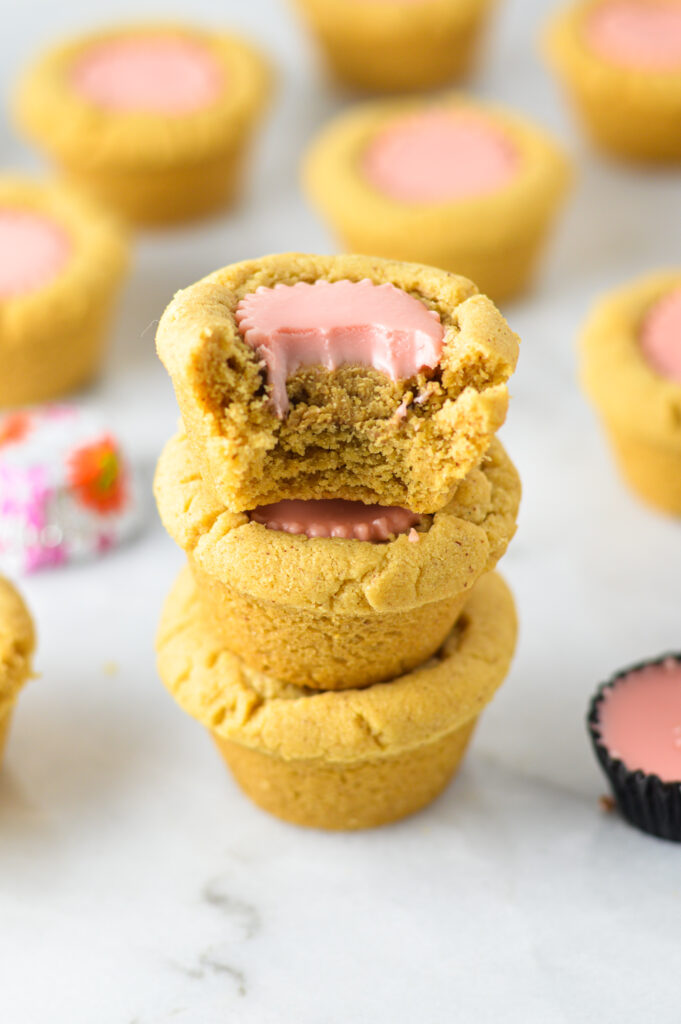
(342, 499)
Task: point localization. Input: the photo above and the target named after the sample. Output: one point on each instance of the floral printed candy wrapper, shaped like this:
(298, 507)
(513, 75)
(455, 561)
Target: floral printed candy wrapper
(66, 490)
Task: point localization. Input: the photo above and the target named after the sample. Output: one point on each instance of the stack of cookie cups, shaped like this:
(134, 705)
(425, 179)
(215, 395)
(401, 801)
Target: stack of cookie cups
(338, 628)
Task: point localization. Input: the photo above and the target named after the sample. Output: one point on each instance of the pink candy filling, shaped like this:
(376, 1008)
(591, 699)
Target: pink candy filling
(661, 336)
(440, 155)
(155, 74)
(334, 324)
(645, 36)
(336, 518)
(640, 720)
(33, 249)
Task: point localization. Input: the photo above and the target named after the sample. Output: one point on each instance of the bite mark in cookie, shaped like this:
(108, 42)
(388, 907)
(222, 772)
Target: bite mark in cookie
(339, 323)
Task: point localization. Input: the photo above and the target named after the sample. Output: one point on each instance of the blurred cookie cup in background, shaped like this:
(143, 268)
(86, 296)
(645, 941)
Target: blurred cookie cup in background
(397, 45)
(63, 260)
(453, 183)
(17, 643)
(619, 62)
(631, 370)
(156, 120)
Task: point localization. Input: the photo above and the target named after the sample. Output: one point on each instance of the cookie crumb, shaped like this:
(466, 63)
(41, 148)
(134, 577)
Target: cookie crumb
(110, 668)
(607, 804)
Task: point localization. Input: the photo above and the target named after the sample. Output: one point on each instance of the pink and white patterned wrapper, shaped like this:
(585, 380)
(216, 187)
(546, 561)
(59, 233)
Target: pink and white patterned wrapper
(66, 490)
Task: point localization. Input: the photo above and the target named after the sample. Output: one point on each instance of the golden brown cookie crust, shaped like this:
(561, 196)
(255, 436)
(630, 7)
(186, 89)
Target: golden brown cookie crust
(17, 642)
(51, 337)
(343, 436)
(398, 46)
(333, 575)
(628, 392)
(150, 167)
(79, 134)
(495, 239)
(317, 794)
(464, 228)
(286, 721)
(630, 111)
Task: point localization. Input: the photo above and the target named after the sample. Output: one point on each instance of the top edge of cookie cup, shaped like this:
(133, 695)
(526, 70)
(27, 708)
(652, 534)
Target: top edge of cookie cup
(261, 713)
(338, 576)
(236, 435)
(334, 181)
(17, 643)
(567, 50)
(627, 391)
(95, 267)
(78, 133)
(398, 46)
(397, 16)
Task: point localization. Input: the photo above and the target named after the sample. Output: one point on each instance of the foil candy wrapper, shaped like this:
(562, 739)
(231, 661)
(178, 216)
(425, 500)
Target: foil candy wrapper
(67, 491)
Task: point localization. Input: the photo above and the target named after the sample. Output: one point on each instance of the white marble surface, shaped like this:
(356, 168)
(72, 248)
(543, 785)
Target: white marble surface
(137, 886)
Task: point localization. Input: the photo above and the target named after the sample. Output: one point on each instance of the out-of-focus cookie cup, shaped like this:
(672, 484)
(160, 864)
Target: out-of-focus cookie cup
(62, 262)
(620, 64)
(340, 760)
(332, 613)
(631, 369)
(398, 45)
(452, 183)
(17, 641)
(155, 119)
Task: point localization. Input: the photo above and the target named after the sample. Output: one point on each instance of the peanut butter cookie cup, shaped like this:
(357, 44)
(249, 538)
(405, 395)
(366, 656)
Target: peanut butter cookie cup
(17, 641)
(454, 183)
(631, 369)
(62, 262)
(340, 760)
(336, 612)
(620, 63)
(155, 119)
(318, 377)
(398, 45)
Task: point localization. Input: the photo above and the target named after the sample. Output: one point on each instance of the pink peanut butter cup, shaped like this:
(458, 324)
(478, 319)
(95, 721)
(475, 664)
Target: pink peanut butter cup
(640, 720)
(440, 155)
(641, 35)
(149, 74)
(33, 250)
(335, 517)
(338, 323)
(661, 336)
(635, 726)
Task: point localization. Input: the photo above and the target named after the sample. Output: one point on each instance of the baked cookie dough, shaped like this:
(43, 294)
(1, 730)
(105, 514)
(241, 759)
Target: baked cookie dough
(620, 63)
(631, 369)
(154, 119)
(328, 612)
(398, 45)
(17, 642)
(450, 182)
(352, 431)
(62, 262)
(350, 759)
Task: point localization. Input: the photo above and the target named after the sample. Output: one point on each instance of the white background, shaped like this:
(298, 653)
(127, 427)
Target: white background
(137, 885)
